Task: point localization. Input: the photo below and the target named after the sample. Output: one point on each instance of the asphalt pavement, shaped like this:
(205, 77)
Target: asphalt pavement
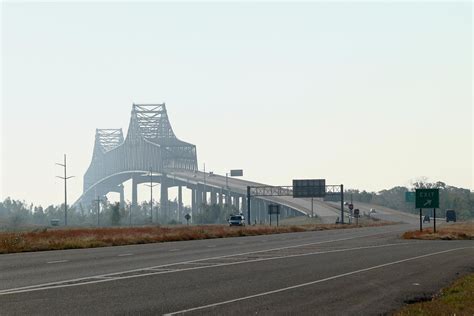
(369, 271)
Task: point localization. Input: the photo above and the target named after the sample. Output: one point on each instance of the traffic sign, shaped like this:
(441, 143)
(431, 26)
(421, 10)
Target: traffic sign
(410, 197)
(236, 173)
(427, 198)
(273, 209)
(351, 206)
(306, 188)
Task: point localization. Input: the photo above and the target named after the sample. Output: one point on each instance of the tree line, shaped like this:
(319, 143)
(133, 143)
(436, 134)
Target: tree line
(16, 213)
(450, 197)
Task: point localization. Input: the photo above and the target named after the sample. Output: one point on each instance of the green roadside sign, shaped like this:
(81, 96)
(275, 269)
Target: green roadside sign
(427, 198)
(410, 197)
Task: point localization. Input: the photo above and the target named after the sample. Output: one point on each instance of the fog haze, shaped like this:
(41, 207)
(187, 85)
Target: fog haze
(371, 95)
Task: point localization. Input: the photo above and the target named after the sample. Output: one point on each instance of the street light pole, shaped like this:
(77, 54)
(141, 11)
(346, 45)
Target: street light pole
(65, 178)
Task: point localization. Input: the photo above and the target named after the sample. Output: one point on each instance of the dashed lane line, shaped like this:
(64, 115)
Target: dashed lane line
(168, 269)
(312, 282)
(57, 261)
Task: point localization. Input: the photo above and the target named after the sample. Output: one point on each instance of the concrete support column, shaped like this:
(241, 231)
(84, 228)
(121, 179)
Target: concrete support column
(198, 200)
(180, 203)
(193, 201)
(265, 209)
(213, 197)
(221, 197)
(122, 196)
(164, 196)
(237, 202)
(227, 198)
(134, 192)
(204, 196)
(244, 203)
(253, 209)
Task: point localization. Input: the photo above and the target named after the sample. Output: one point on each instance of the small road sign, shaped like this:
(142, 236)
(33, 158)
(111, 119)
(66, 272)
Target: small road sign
(427, 198)
(410, 197)
(273, 209)
(187, 217)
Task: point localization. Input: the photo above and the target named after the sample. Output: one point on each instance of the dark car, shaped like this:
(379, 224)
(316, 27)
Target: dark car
(236, 220)
(450, 216)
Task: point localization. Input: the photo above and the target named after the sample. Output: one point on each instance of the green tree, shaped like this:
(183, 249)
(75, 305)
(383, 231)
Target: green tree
(115, 214)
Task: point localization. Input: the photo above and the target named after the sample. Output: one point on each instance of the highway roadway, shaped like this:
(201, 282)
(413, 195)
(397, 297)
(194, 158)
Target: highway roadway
(367, 271)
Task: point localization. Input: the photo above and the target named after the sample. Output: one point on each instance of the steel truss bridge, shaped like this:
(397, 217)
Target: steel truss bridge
(151, 152)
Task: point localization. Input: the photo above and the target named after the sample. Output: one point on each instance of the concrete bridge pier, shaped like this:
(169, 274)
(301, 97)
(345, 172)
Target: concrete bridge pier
(221, 197)
(213, 197)
(244, 204)
(204, 196)
(193, 201)
(122, 196)
(180, 214)
(198, 200)
(164, 197)
(227, 198)
(237, 202)
(264, 208)
(134, 192)
(253, 207)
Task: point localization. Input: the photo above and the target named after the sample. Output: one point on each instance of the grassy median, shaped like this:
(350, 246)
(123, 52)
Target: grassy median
(457, 299)
(459, 231)
(74, 238)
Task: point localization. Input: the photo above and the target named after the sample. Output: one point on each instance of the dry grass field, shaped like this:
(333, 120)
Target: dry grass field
(457, 299)
(458, 231)
(73, 238)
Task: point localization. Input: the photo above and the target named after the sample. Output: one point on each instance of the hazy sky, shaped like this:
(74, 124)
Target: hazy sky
(371, 95)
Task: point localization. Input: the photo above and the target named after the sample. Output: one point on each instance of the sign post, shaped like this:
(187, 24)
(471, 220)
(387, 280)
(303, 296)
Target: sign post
(427, 198)
(273, 209)
(351, 207)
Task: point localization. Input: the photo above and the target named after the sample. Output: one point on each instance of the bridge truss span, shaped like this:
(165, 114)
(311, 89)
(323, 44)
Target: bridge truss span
(150, 144)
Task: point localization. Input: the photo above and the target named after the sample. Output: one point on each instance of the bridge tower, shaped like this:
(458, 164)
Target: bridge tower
(150, 146)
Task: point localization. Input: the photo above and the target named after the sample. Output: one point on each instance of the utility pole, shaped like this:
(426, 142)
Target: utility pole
(65, 178)
(151, 185)
(342, 204)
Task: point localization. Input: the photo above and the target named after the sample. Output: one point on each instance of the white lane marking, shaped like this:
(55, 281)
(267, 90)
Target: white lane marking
(211, 246)
(314, 282)
(171, 250)
(125, 254)
(57, 261)
(116, 276)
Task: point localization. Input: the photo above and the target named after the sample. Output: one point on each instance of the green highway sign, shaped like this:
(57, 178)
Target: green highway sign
(410, 197)
(427, 198)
